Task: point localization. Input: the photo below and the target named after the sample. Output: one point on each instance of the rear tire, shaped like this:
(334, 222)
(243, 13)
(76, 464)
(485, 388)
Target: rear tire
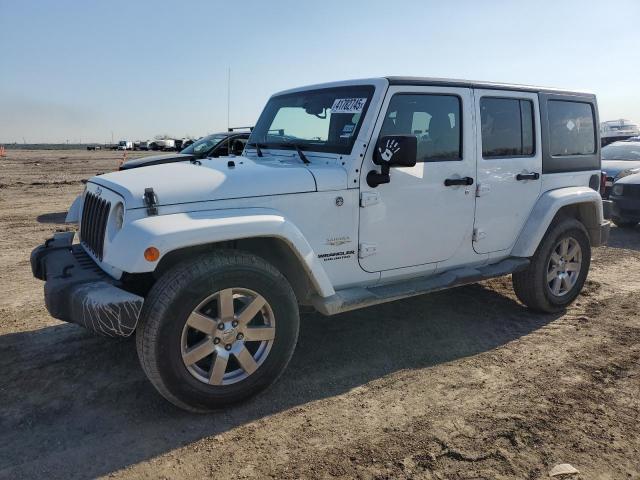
(208, 299)
(552, 281)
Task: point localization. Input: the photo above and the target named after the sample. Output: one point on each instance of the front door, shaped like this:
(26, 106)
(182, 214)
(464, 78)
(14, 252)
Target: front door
(420, 218)
(509, 166)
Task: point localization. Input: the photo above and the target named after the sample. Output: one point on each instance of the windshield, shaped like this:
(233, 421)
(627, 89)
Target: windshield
(203, 145)
(621, 152)
(326, 120)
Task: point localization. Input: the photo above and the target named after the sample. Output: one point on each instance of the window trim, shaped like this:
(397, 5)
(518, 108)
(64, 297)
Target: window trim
(595, 127)
(572, 163)
(340, 150)
(533, 125)
(460, 115)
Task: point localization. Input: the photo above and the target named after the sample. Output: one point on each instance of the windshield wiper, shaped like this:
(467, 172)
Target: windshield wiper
(302, 156)
(257, 145)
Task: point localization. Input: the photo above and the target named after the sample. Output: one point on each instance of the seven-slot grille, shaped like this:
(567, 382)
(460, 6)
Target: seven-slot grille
(95, 213)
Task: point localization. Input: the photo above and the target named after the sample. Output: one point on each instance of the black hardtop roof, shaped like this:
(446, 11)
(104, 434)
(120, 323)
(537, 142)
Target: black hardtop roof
(452, 82)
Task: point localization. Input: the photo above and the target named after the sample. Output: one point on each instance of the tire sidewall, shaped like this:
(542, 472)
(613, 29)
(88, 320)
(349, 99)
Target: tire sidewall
(175, 376)
(568, 228)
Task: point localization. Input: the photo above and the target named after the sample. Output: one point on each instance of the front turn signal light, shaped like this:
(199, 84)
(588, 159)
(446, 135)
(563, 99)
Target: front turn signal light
(151, 254)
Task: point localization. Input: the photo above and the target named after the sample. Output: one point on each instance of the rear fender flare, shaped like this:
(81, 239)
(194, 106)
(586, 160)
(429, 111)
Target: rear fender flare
(546, 209)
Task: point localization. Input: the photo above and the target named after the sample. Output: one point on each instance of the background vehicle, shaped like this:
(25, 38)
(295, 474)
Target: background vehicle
(619, 159)
(348, 194)
(125, 145)
(164, 144)
(145, 145)
(215, 145)
(625, 195)
(614, 130)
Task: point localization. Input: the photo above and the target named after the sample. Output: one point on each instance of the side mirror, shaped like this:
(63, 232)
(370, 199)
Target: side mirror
(392, 151)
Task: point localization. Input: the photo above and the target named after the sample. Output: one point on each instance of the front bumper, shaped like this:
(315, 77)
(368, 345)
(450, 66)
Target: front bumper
(627, 208)
(76, 290)
(603, 234)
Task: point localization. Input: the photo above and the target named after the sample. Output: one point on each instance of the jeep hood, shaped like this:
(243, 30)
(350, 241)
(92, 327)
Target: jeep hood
(614, 167)
(212, 179)
(155, 160)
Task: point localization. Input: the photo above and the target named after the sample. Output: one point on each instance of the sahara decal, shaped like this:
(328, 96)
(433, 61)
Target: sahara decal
(336, 241)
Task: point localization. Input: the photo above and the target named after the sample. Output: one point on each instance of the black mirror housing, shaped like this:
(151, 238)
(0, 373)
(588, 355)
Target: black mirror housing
(396, 151)
(392, 151)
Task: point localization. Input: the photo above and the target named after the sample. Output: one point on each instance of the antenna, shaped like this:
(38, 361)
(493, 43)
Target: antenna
(228, 95)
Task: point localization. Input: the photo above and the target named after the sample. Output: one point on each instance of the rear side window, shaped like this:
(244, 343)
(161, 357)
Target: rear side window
(507, 127)
(571, 128)
(433, 118)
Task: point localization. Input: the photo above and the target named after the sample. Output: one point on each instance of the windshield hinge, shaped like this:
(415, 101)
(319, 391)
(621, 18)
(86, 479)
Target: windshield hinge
(369, 198)
(366, 249)
(151, 201)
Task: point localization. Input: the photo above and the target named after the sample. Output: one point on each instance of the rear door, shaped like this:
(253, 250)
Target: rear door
(509, 163)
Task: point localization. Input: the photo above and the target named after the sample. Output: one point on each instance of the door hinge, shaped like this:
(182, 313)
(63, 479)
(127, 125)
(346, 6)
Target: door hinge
(482, 189)
(366, 249)
(369, 198)
(478, 234)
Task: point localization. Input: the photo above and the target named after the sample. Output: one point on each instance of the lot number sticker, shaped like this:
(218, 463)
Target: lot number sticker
(348, 105)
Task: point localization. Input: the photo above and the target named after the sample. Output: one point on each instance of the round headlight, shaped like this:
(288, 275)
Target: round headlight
(617, 190)
(118, 216)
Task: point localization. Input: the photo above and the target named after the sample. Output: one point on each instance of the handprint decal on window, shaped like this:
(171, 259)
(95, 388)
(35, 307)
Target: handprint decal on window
(390, 149)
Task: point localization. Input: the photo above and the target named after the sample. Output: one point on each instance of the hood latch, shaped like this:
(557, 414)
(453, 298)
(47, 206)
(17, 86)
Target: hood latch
(151, 201)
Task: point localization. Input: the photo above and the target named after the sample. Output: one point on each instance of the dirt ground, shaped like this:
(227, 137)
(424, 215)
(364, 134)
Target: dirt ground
(461, 384)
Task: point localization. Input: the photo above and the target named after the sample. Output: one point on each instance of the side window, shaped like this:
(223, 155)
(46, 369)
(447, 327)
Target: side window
(571, 128)
(507, 127)
(435, 121)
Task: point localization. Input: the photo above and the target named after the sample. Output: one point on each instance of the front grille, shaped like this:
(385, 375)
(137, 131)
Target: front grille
(629, 190)
(95, 214)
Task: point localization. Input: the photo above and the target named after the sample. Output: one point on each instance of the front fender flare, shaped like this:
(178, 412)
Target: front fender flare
(180, 230)
(545, 211)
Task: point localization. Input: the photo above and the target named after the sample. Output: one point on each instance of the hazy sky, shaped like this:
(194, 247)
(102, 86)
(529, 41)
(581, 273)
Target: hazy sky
(72, 70)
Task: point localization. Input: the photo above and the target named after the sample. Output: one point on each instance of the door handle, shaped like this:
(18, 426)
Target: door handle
(528, 176)
(450, 182)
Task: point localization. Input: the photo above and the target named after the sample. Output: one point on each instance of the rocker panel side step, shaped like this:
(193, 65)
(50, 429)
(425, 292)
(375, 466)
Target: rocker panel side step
(358, 297)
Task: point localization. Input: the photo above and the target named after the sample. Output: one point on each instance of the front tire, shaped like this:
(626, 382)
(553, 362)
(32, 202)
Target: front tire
(558, 269)
(217, 329)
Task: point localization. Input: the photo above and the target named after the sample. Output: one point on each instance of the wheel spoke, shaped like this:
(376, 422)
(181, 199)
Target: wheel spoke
(246, 360)
(225, 304)
(551, 274)
(201, 322)
(250, 311)
(564, 247)
(555, 286)
(198, 352)
(573, 252)
(555, 258)
(218, 369)
(259, 334)
(566, 283)
(573, 267)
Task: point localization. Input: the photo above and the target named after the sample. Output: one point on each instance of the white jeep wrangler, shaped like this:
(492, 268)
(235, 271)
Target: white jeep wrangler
(349, 194)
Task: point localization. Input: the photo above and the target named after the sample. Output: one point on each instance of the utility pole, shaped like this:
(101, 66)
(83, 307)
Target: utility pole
(111, 137)
(228, 96)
